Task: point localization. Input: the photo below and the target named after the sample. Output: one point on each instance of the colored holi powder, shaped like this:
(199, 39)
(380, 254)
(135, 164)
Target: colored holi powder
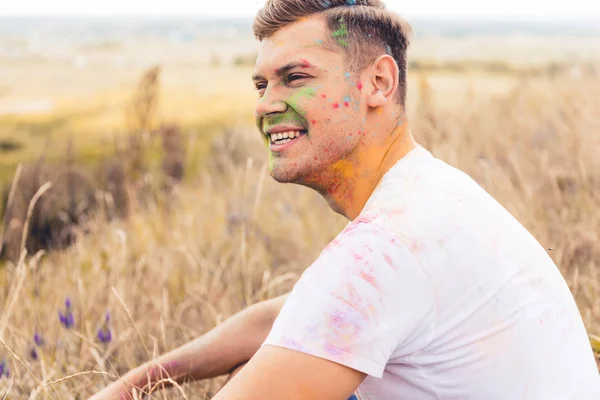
(359, 86)
(305, 93)
(334, 350)
(389, 261)
(347, 75)
(304, 63)
(370, 279)
(323, 95)
(341, 34)
(344, 169)
(314, 122)
(293, 343)
(287, 118)
(346, 104)
(352, 298)
(379, 110)
(336, 105)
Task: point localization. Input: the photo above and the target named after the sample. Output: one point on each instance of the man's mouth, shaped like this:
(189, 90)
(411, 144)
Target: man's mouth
(288, 136)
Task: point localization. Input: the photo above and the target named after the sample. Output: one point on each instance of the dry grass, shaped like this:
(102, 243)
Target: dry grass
(235, 237)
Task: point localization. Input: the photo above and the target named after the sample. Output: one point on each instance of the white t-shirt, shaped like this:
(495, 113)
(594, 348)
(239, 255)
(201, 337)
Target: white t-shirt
(436, 292)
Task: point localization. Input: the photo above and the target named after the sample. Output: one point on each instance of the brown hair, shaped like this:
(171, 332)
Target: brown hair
(363, 29)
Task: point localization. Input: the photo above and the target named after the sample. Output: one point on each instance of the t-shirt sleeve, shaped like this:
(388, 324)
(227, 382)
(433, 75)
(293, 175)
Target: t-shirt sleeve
(362, 302)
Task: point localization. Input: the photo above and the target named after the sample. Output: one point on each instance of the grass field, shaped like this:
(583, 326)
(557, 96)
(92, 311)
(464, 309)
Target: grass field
(179, 266)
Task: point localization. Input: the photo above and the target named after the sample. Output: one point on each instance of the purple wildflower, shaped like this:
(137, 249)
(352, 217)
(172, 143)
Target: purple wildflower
(4, 371)
(104, 333)
(67, 318)
(38, 339)
(33, 354)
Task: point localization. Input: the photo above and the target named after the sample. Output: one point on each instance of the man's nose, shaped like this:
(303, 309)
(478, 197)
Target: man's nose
(271, 102)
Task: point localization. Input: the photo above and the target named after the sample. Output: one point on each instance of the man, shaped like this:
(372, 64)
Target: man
(432, 291)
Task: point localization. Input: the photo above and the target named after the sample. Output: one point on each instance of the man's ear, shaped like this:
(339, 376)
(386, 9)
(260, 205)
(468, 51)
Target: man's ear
(383, 81)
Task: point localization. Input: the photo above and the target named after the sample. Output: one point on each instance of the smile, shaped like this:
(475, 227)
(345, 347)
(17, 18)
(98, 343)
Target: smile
(285, 137)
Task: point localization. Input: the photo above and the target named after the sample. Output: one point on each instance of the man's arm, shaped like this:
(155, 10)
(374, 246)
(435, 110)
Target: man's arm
(215, 353)
(276, 373)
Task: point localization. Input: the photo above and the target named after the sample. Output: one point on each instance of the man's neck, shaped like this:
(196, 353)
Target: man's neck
(352, 182)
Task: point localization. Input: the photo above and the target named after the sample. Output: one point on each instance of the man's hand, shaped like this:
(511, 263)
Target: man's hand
(215, 353)
(276, 373)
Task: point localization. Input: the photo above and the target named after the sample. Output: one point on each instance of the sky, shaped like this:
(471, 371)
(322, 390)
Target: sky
(500, 9)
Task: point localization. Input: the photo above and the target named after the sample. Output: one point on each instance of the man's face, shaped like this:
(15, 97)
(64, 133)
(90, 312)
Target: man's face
(307, 94)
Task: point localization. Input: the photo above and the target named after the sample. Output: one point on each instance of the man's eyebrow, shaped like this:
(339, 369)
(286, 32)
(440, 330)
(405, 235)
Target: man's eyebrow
(281, 71)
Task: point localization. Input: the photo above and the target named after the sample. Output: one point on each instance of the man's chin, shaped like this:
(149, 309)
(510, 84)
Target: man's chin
(285, 174)
(282, 176)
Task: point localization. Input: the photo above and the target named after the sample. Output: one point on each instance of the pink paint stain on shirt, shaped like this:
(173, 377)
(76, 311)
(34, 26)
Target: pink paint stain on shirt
(334, 350)
(294, 344)
(370, 279)
(414, 247)
(351, 297)
(389, 261)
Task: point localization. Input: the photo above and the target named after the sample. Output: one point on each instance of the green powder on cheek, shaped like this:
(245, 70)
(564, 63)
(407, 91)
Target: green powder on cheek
(302, 94)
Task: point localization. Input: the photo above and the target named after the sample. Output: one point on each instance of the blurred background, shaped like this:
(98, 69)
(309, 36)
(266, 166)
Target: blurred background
(136, 209)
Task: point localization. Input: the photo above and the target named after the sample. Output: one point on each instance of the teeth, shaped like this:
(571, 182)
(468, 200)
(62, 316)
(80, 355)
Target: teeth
(284, 137)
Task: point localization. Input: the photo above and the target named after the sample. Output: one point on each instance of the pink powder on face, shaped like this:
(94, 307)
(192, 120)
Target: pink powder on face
(304, 63)
(346, 104)
(359, 86)
(323, 95)
(336, 105)
(314, 122)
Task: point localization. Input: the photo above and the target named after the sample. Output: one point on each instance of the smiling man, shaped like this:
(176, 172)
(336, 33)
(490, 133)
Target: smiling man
(432, 291)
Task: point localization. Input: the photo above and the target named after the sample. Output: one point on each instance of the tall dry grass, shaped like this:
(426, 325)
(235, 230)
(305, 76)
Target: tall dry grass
(235, 237)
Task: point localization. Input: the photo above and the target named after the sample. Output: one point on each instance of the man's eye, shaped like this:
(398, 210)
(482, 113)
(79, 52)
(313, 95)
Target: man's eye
(295, 77)
(261, 86)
